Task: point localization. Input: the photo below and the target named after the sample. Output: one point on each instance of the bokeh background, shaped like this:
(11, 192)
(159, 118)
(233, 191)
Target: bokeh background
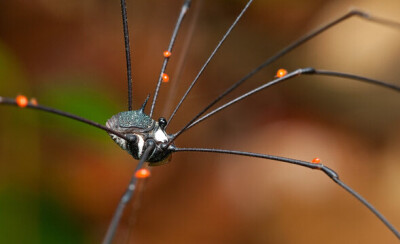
(61, 180)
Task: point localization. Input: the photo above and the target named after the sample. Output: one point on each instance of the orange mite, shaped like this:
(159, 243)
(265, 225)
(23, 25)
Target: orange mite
(33, 101)
(281, 73)
(316, 160)
(165, 77)
(167, 54)
(21, 101)
(142, 173)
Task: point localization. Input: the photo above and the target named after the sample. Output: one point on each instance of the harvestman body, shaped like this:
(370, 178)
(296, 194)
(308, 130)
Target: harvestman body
(147, 141)
(141, 129)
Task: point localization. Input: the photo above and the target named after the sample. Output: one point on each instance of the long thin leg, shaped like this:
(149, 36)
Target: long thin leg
(296, 73)
(11, 101)
(127, 52)
(184, 10)
(329, 172)
(112, 228)
(172, 90)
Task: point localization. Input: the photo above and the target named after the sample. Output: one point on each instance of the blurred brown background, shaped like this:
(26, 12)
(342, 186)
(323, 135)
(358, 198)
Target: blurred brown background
(61, 180)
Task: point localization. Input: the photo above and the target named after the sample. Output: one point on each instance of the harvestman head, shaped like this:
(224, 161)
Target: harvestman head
(146, 139)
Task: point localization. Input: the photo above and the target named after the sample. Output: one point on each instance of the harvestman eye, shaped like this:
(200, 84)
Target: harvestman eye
(146, 139)
(162, 122)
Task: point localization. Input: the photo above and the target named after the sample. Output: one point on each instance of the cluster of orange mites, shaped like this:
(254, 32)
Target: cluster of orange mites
(165, 77)
(22, 101)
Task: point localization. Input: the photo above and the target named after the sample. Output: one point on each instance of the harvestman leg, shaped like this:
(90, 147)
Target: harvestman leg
(329, 172)
(127, 195)
(294, 74)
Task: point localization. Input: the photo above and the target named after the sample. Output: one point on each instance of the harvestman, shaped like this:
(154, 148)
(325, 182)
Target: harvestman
(146, 139)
